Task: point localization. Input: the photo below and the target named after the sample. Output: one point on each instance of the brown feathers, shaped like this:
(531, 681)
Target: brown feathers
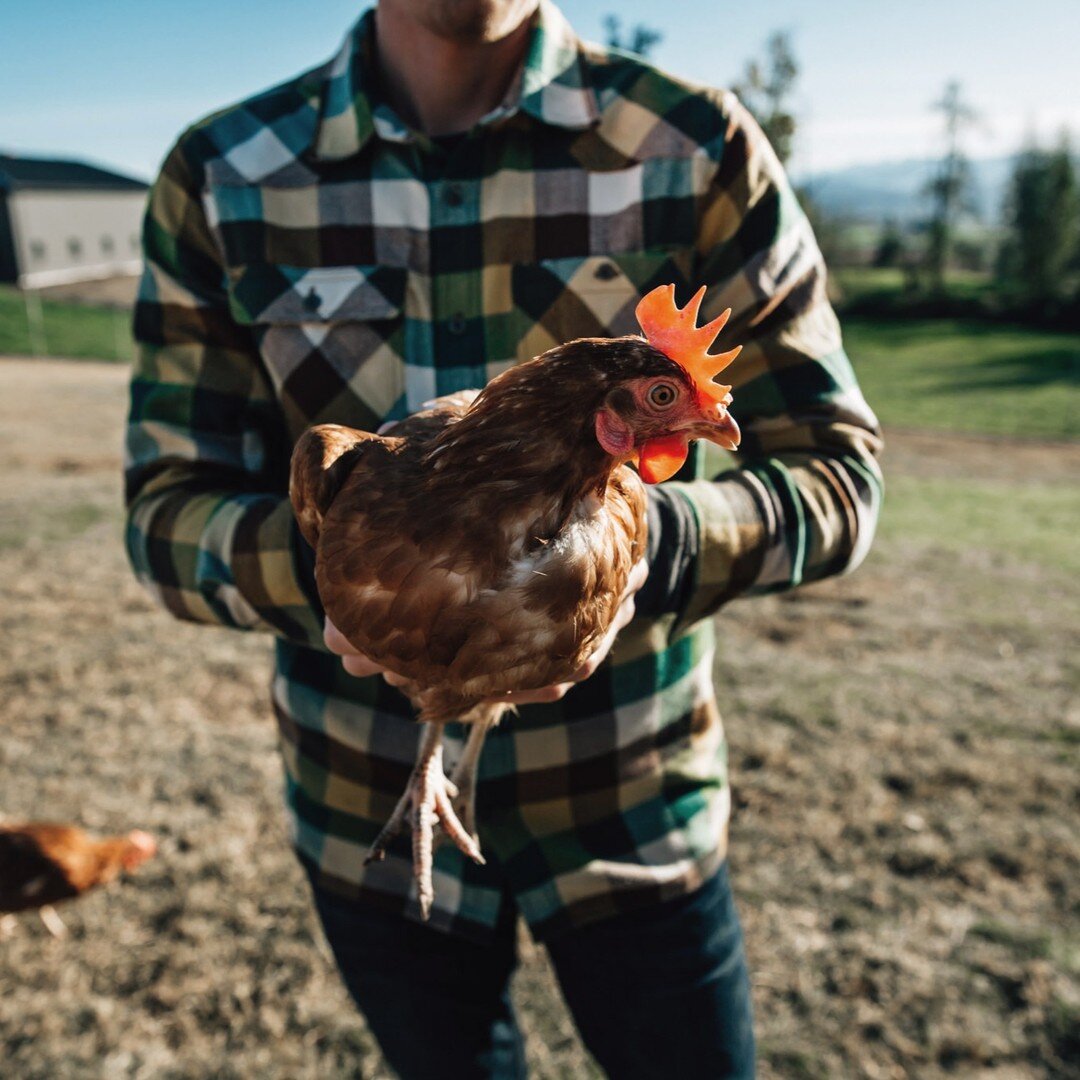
(322, 459)
(43, 863)
(483, 546)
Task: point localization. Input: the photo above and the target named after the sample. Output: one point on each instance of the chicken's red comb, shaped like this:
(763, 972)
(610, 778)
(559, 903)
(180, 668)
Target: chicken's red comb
(672, 330)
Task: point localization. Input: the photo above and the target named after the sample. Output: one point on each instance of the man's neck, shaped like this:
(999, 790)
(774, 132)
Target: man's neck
(440, 86)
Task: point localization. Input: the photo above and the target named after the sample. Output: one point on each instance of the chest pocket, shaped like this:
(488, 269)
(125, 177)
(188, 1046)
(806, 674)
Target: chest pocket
(331, 338)
(558, 300)
(562, 299)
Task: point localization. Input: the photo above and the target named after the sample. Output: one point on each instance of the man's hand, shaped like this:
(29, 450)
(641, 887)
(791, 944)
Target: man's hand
(356, 663)
(352, 660)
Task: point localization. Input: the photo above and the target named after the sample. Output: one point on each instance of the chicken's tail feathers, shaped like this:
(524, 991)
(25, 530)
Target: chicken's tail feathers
(321, 460)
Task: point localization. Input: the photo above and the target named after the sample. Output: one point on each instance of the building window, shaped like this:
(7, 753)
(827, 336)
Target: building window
(37, 250)
(107, 245)
(74, 246)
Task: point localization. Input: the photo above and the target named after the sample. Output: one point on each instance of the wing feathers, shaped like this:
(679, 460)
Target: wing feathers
(433, 605)
(322, 459)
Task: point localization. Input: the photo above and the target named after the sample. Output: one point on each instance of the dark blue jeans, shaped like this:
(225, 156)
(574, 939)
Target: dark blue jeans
(657, 992)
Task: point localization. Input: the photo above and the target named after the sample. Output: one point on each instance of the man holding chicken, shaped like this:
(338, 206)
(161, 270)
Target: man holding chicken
(462, 187)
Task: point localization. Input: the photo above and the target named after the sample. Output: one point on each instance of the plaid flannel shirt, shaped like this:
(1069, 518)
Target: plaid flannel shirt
(310, 259)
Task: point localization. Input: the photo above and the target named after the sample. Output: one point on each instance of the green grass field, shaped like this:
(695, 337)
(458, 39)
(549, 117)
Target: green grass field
(75, 331)
(933, 374)
(957, 374)
(886, 284)
(963, 375)
(1020, 520)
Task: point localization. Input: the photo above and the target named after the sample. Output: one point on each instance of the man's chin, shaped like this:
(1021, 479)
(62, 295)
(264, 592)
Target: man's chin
(475, 22)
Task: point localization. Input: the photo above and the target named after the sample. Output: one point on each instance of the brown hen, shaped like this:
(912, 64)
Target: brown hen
(483, 546)
(42, 863)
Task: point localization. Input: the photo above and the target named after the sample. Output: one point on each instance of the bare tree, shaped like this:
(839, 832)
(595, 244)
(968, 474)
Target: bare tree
(950, 189)
(640, 39)
(765, 88)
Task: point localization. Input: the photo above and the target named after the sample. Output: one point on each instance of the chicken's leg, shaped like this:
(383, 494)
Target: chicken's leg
(52, 922)
(426, 799)
(464, 774)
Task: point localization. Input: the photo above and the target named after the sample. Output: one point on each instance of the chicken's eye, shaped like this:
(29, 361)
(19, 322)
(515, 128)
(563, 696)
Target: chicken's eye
(662, 395)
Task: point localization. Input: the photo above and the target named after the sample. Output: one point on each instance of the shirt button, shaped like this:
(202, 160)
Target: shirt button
(453, 195)
(456, 323)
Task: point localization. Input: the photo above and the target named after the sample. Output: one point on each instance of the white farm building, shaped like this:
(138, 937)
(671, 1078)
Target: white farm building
(66, 221)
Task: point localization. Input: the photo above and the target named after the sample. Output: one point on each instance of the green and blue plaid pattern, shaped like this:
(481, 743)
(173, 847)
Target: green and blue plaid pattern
(310, 259)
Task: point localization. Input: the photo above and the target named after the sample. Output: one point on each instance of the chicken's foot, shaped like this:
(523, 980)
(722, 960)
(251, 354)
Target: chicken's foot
(425, 802)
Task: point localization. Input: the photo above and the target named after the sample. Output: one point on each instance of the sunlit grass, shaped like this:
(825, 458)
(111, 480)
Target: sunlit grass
(964, 375)
(78, 331)
(1029, 522)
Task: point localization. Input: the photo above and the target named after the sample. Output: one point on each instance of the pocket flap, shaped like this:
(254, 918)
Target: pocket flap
(261, 293)
(595, 296)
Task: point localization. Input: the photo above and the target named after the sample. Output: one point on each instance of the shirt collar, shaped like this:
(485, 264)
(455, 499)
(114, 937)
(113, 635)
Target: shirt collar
(552, 87)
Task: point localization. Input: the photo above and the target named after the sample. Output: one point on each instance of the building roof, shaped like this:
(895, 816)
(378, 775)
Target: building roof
(56, 174)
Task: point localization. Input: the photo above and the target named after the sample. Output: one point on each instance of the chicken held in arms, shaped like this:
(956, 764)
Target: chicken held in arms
(484, 546)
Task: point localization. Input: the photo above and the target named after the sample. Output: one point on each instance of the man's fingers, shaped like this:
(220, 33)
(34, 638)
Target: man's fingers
(336, 641)
(534, 697)
(360, 666)
(624, 615)
(638, 573)
(354, 661)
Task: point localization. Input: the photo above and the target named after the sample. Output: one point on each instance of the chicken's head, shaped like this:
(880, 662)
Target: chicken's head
(138, 846)
(668, 397)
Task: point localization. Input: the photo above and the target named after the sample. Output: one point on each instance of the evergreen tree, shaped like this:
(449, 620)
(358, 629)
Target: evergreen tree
(890, 247)
(1042, 212)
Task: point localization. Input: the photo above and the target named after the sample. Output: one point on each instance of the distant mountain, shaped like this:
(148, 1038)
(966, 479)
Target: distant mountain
(894, 189)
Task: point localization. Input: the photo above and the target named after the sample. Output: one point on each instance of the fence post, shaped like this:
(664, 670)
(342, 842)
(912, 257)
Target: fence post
(35, 321)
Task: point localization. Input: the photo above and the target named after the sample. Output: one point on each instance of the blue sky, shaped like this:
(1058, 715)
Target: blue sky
(115, 81)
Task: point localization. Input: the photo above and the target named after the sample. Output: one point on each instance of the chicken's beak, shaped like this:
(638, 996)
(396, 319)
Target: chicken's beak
(717, 425)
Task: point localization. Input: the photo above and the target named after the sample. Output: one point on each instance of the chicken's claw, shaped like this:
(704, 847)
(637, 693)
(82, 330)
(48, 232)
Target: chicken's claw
(427, 801)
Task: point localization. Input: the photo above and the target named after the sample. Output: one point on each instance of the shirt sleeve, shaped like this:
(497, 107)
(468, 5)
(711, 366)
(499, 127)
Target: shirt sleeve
(210, 529)
(802, 501)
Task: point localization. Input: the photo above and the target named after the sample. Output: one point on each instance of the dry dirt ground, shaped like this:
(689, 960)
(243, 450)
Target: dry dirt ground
(116, 292)
(903, 742)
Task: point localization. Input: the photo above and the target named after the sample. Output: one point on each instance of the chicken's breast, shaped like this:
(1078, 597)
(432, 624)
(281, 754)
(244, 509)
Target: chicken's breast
(468, 616)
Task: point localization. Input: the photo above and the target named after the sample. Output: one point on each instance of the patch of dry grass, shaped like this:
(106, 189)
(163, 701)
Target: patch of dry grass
(904, 752)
